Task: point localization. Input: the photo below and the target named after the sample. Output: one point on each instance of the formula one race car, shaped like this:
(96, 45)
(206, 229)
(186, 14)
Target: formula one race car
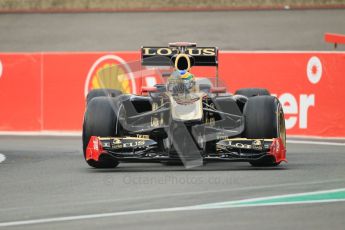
(183, 118)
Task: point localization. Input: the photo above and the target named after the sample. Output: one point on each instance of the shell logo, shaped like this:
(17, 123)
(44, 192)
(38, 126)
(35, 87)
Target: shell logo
(111, 72)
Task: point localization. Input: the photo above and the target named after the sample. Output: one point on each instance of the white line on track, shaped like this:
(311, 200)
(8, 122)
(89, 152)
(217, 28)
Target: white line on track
(276, 196)
(2, 157)
(315, 142)
(247, 188)
(231, 204)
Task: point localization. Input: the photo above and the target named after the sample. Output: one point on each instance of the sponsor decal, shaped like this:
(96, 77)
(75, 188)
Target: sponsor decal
(133, 144)
(106, 144)
(150, 81)
(277, 146)
(111, 72)
(314, 70)
(143, 136)
(296, 109)
(119, 146)
(257, 145)
(116, 141)
(239, 145)
(95, 144)
(167, 51)
(221, 137)
(257, 142)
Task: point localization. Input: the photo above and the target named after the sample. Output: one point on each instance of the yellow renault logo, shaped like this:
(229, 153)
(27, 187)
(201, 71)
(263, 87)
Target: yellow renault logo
(256, 142)
(116, 141)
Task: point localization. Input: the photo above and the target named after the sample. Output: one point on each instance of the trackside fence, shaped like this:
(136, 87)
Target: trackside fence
(46, 91)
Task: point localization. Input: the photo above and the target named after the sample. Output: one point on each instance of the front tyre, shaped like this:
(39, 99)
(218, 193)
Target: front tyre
(102, 93)
(100, 120)
(264, 119)
(252, 92)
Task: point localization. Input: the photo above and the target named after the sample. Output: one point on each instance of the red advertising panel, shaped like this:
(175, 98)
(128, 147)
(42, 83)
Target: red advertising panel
(20, 90)
(309, 85)
(47, 91)
(69, 76)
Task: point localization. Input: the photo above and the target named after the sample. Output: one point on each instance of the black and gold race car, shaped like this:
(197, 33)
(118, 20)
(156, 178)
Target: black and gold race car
(184, 119)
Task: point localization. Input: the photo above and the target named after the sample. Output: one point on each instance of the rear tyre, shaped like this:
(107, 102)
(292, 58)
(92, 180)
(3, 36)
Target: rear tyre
(252, 92)
(102, 93)
(264, 119)
(100, 119)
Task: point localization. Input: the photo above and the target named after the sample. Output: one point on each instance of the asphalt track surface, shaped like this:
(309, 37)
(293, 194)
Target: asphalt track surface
(240, 30)
(45, 177)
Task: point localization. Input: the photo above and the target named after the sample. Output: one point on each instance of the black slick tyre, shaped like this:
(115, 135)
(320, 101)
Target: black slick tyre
(264, 119)
(251, 92)
(102, 93)
(100, 119)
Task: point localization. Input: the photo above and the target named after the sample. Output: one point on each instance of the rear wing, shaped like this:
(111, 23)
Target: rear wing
(161, 56)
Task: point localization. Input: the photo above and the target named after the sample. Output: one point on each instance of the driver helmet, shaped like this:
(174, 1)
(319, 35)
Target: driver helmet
(182, 63)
